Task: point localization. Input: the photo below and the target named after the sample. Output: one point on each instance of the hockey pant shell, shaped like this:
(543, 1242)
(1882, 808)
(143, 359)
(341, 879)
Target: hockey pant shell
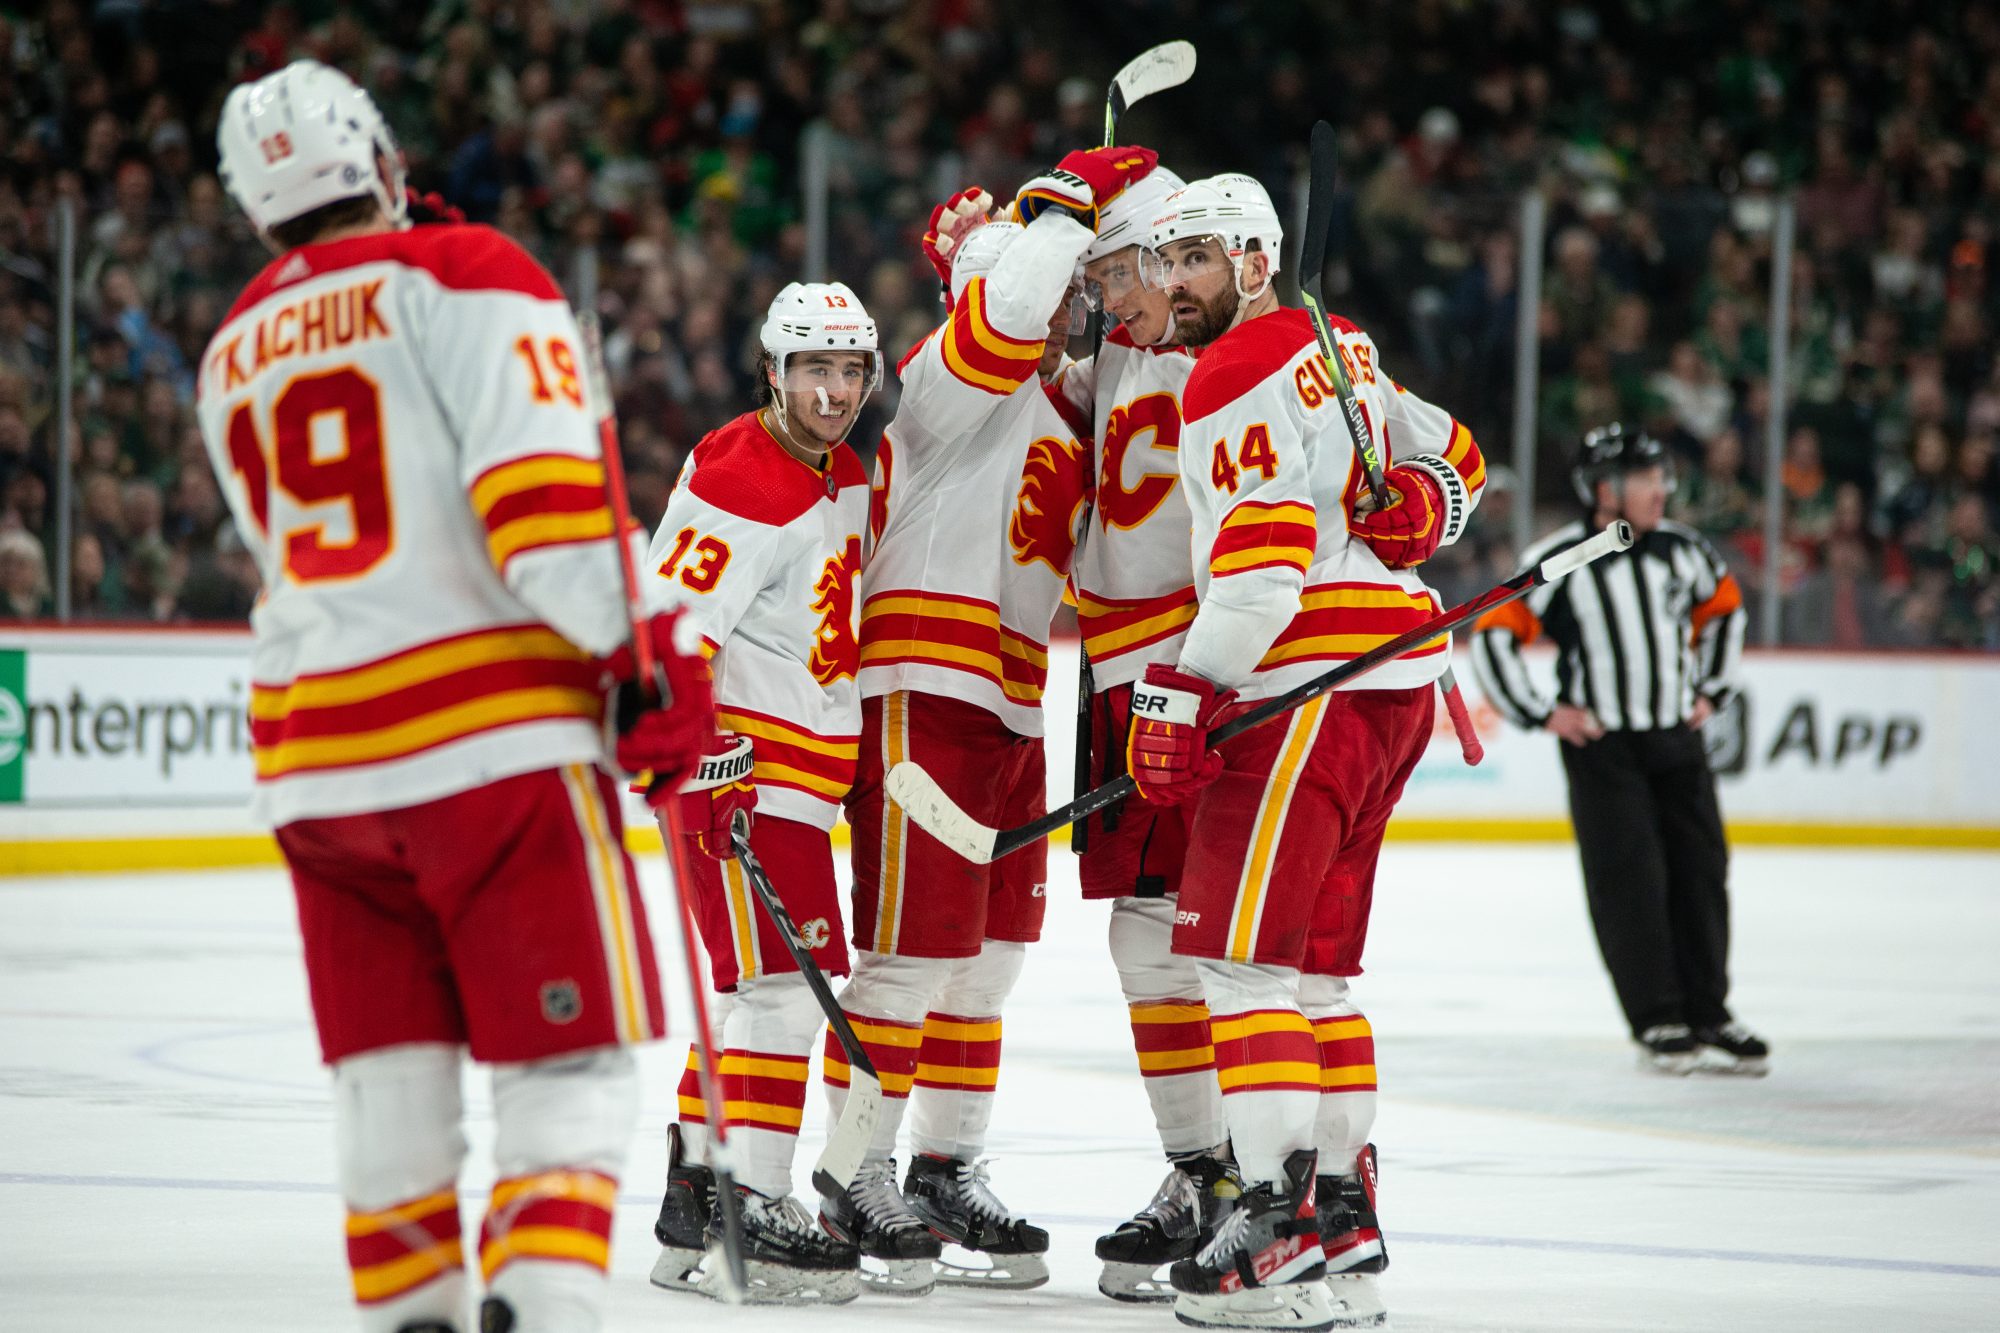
(741, 940)
(1170, 1029)
(502, 918)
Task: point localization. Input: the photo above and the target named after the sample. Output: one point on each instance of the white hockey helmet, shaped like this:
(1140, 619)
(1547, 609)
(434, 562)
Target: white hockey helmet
(302, 138)
(820, 317)
(979, 252)
(1126, 219)
(1234, 208)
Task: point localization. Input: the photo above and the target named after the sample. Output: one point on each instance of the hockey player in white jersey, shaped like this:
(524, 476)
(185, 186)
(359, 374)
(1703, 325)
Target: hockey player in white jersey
(762, 543)
(980, 486)
(398, 420)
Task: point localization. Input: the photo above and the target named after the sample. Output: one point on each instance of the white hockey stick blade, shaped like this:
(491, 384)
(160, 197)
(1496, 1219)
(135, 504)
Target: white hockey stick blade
(847, 1143)
(1165, 66)
(937, 814)
(1617, 537)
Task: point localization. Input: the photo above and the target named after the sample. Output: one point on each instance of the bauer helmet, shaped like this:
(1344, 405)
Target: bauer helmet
(1233, 208)
(302, 138)
(1609, 452)
(820, 317)
(1124, 221)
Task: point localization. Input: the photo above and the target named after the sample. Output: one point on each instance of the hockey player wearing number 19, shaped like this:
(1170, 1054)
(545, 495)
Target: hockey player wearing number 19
(1295, 566)
(761, 545)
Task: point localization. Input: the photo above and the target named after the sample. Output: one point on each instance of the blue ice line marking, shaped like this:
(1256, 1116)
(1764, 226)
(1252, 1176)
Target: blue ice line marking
(1072, 1219)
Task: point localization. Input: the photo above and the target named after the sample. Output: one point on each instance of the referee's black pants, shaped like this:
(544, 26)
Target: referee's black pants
(1655, 870)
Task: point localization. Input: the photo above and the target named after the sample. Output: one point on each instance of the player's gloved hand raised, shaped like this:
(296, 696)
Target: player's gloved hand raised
(719, 788)
(1083, 182)
(1167, 751)
(951, 222)
(427, 208)
(1406, 530)
(662, 743)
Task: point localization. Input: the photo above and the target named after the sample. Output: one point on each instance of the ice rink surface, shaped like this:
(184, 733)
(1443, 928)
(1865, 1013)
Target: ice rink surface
(166, 1157)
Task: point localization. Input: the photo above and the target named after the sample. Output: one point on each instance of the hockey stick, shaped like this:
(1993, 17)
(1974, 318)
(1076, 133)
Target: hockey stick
(1312, 274)
(1154, 70)
(937, 814)
(846, 1144)
(720, 1159)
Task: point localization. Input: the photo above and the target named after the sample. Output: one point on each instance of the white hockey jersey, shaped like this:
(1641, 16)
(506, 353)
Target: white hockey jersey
(398, 422)
(981, 486)
(1271, 476)
(764, 552)
(1134, 577)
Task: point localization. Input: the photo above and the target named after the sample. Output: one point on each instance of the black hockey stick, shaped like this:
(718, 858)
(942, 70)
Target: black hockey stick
(847, 1142)
(1155, 70)
(937, 814)
(1312, 276)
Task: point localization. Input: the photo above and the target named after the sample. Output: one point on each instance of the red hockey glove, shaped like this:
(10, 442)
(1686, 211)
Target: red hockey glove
(662, 743)
(1167, 750)
(1407, 530)
(427, 208)
(951, 222)
(718, 789)
(1083, 182)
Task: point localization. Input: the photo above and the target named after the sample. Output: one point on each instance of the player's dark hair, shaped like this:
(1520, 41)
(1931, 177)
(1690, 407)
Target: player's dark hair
(767, 369)
(309, 227)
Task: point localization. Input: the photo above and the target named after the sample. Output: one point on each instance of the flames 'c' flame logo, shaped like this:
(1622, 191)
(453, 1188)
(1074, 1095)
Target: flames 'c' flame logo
(1156, 415)
(1054, 486)
(836, 653)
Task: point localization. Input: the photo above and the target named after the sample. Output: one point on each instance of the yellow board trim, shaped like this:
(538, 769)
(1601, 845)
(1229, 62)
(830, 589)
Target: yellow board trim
(222, 851)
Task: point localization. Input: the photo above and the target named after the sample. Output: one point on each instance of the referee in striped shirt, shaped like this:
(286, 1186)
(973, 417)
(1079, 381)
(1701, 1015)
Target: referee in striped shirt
(1646, 644)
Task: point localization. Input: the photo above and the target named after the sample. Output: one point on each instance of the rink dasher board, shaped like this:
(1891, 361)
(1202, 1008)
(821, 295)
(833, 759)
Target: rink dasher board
(128, 749)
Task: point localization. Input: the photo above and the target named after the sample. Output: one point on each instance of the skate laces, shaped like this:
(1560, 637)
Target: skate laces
(1175, 1200)
(1228, 1236)
(979, 1195)
(880, 1201)
(787, 1214)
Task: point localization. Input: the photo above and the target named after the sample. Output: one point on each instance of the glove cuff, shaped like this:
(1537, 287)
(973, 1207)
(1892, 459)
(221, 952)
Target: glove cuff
(1180, 702)
(1456, 511)
(730, 765)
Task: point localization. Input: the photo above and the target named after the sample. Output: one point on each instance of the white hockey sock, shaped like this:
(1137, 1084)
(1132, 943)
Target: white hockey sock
(562, 1126)
(885, 1000)
(1347, 1073)
(767, 1056)
(958, 1066)
(693, 1110)
(396, 1116)
(1169, 1025)
(1265, 1061)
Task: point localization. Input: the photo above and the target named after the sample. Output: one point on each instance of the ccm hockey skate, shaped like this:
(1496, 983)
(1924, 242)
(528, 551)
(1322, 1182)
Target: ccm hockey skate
(874, 1217)
(1183, 1216)
(1352, 1238)
(685, 1213)
(953, 1199)
(1265, 1268)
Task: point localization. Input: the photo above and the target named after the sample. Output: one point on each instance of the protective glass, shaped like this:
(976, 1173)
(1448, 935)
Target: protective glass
(1114, 278)
(1188, 259)
(853, 372)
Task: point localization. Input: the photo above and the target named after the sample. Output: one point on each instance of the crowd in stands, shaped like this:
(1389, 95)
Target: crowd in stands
(654, 153)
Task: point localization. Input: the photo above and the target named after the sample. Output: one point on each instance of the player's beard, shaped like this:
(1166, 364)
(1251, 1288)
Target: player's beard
(1207, 320)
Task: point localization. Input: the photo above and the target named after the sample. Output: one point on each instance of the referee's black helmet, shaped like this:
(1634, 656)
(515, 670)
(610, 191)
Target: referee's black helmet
(1609, 452)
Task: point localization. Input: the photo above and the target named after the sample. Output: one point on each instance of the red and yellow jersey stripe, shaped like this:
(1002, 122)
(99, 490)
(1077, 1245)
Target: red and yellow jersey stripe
(552, 1215)
(1265, 1050)
(959, 1053)
(393, 1251)
(979, 354)
(784, 755)
(1462, 452)
(527, 504)
(423, 697)
(1257, 535)
(1346, 1053)
(1337, 621)
(892, 1048)
(1113, 627)
(762, 1090)
(1171, 1037)
(962, 633)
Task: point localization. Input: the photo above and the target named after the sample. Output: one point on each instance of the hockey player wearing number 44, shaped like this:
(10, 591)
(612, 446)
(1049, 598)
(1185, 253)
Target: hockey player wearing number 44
(762, 545)
(1295, 566)
(397, 417)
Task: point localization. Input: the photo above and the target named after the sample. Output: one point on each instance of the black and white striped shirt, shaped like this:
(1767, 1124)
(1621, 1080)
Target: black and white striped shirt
(1638, 635)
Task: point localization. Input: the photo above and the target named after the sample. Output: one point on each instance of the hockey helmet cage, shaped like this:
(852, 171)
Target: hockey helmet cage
(302, 138)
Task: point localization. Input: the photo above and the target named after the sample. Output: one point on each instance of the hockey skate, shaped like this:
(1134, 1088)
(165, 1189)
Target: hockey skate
(1264, 1269)
(1349, 1231)
(874, 1217)
(1183, 1216)
(1732, 1049)
(787, 1260)
(1668, 1048)
(955, 1202)
(685, 1213)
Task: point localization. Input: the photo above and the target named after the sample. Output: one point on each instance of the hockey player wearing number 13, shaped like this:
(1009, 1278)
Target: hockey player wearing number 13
(398, 421)
(1295, 568)
(762, 545)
